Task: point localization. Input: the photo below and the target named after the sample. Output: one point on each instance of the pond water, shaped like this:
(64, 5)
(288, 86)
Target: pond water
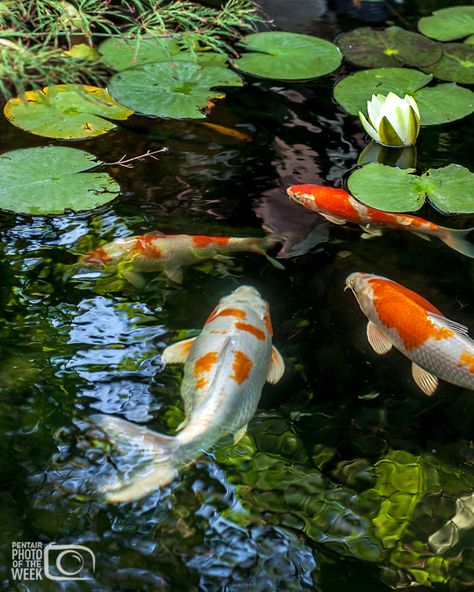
(348, 478)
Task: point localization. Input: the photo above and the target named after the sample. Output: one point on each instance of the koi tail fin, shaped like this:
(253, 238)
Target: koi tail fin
(267, 243)
(458, 240)
(154, 453)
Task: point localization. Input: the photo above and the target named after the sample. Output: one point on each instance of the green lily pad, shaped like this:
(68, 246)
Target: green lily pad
(444, 103)
(174, 90)
(372, 48)
(438, 104)
(456, 63)
(66, 111)
(450, 189)
(288, 56)
(448, 24)
(399, 193)
(121, 54)
(469, 40)
(50, 180)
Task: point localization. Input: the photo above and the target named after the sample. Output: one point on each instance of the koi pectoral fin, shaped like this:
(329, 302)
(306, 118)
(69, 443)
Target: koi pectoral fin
(371, 230)
(380, 344)
(333, 219)
(178, 352)
(175, 274)
(427, 382)
(134, 277)
(239, 434)
(276, 368)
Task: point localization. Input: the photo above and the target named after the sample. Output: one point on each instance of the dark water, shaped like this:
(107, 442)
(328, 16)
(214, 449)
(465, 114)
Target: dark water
(348, 478)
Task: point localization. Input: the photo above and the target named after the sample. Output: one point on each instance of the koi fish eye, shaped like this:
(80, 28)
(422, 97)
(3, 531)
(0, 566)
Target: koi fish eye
(355, 281)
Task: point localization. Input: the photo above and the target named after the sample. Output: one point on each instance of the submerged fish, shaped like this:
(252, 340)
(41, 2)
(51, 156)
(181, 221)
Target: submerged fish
(437, 346)
(225, 368)
(169, 253)
(339, 207)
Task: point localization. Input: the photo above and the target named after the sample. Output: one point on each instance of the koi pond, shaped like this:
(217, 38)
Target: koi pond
(348, 477)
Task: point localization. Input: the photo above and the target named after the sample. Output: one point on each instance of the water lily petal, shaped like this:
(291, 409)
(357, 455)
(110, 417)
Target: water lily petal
(374, 108)
(411, 101)
(413, 127)
(387, 134)
(368, 128)
(394, 111)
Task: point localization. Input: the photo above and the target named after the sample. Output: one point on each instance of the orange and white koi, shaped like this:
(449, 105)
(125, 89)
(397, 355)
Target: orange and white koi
(225, 368)
(399, 317)
(339, 207)
(169, 253)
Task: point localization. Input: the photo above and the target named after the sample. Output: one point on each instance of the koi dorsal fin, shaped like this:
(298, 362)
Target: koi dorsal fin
(458, 328)
(154, 233)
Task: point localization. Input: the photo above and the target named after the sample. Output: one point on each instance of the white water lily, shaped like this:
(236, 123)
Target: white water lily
(393, 121)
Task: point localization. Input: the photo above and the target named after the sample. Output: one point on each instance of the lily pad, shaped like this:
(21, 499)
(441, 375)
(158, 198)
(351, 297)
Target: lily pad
(438, 104)
(386, 188)
(50, 180)
(448, 24)
(66, 111)
(450, 189)
(372, 48)
(288, 56)
(121, 54)
(174, 90)
(456, 63)
(469, 40)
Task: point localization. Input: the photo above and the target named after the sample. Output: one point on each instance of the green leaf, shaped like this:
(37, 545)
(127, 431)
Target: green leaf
(49, 180)
(438, 104)
(67, 111)
(399, 193)
(444, 103)
(175, 90)
(451, 189)
(456, 63)
(448, 24)
(288, 56)
(469, 40)
(353, 92)
(121, 54)
(373, 48)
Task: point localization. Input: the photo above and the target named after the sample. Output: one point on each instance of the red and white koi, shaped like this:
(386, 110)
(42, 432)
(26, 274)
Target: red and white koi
(399, 317)
(339, 207)
(169, 253)
(225, 368)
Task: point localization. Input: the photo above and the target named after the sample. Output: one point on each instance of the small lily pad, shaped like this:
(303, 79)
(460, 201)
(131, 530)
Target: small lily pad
(50, 180)
(392, 47)
(288, 56)
(66, 111)
(456, 63)
(174, 90)
(121, 54)
(399, 193)
(449, 189)
(448, 24)
(438, 104)
(82, 51)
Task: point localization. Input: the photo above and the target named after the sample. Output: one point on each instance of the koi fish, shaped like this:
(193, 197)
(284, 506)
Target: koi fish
(399, 317)
(169, 253)
(225, 368)
(339, 207)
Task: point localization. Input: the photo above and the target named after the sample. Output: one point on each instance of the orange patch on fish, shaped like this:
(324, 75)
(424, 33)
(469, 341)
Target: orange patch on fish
(228, 312)
(467, 359)
(97, 256)
(328, 200)
(205, 241)
(251, 329)
(268, 322)
(241, 367)
(204, 364)
(145, 245)
(407, 312)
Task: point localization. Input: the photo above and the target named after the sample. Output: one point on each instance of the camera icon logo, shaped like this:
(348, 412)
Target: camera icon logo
(68, 562)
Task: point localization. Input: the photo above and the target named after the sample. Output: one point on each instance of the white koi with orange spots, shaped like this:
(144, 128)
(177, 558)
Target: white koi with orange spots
(339, 207)
(399, 317)
(169, 253)
(225, 368)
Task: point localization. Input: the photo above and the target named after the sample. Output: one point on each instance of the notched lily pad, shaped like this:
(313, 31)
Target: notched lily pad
(66, 111)
(438, 104)
(392, 47)
(449, 189)
(448, 24)
(121, 54)
(175, 90)
(50, 180)
(456, 63)
(288, 56)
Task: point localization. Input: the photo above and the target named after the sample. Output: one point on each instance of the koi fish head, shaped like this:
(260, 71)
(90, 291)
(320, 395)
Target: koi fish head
(318, 197)
(360, 285)
(244, 297)
(109, 253)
